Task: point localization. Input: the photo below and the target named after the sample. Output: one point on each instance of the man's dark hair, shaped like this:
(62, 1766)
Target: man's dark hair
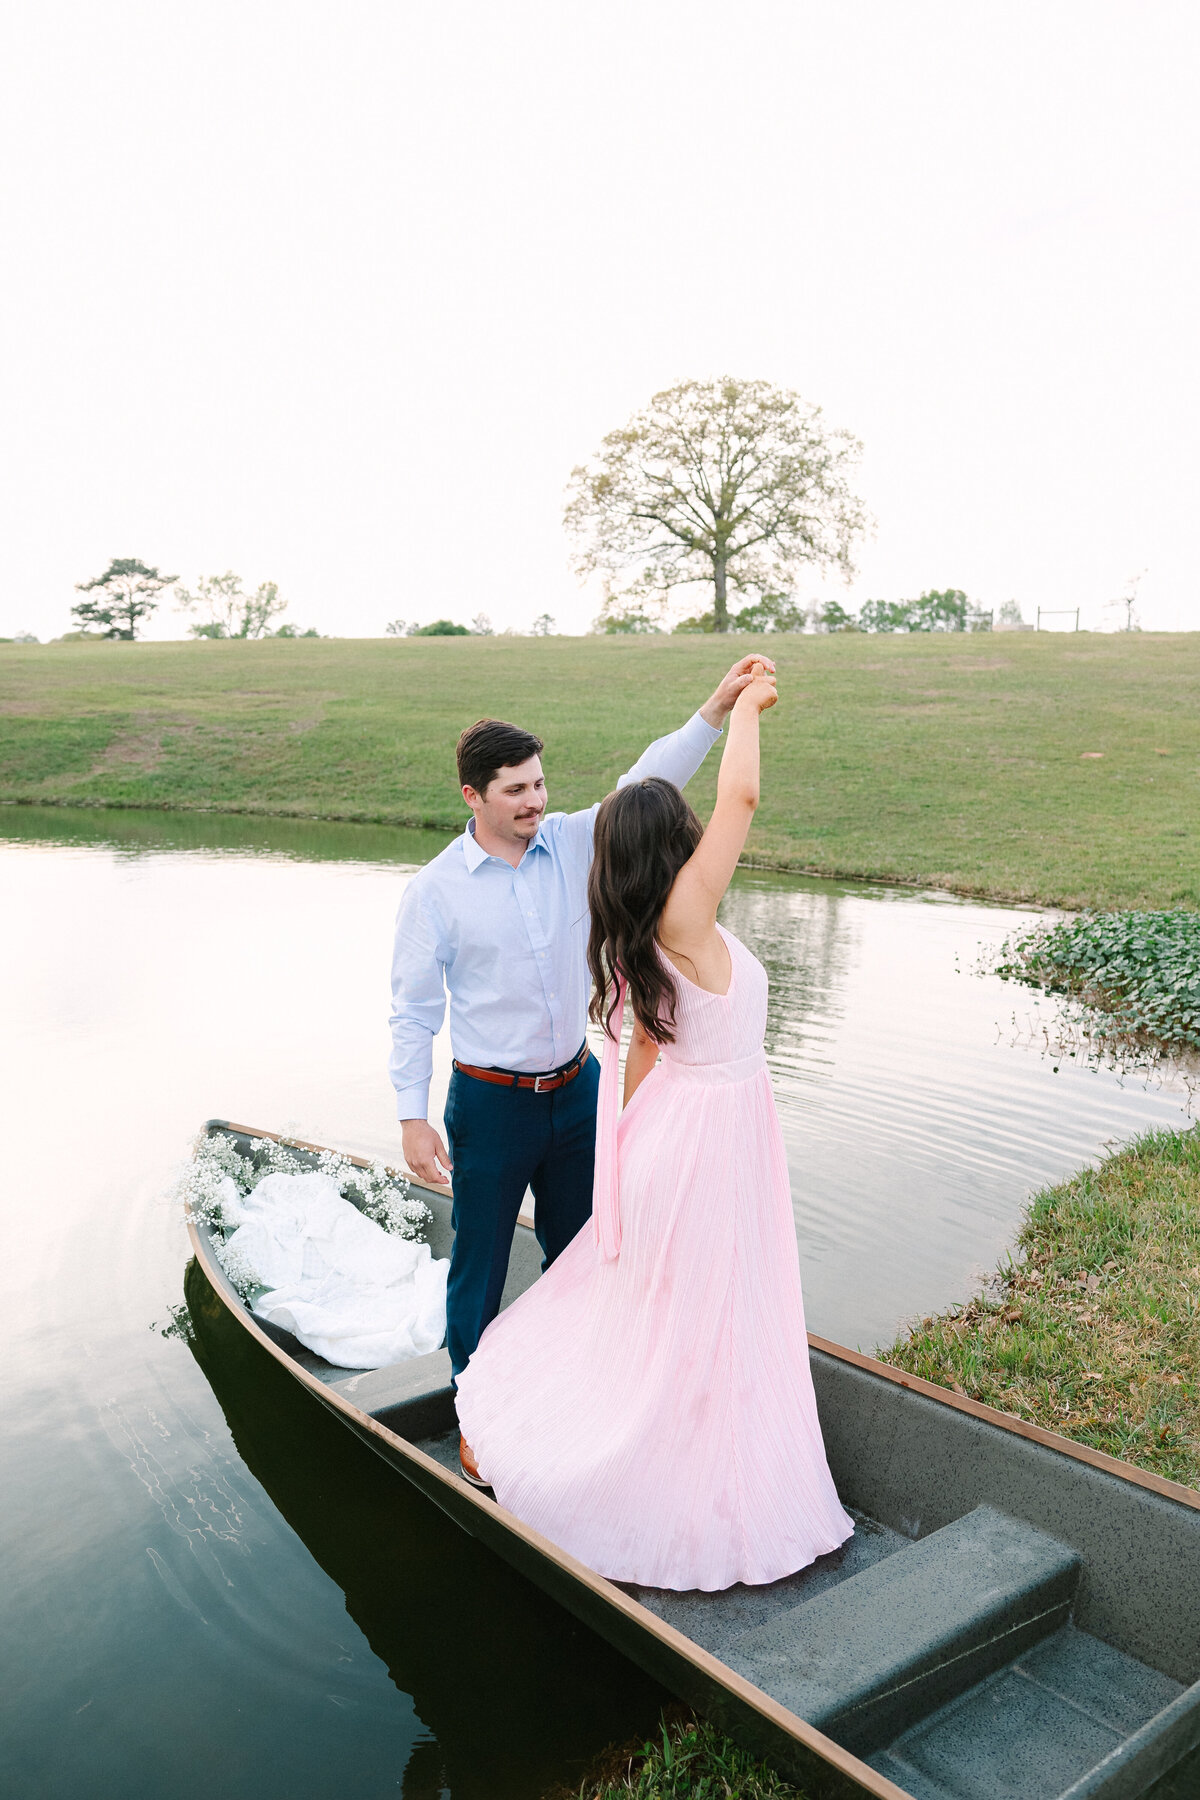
(490, 745)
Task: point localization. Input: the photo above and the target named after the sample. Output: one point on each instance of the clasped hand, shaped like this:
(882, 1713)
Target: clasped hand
(721, 703)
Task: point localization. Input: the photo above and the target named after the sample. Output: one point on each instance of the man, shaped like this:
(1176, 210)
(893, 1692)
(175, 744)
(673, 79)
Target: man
(501, 919)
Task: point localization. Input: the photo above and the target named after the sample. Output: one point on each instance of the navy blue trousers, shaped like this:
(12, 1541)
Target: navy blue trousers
(503, 1140)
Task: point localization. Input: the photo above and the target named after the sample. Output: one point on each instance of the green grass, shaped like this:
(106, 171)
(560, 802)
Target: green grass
(691, 1760)
(950, 760)
(1093, 1330)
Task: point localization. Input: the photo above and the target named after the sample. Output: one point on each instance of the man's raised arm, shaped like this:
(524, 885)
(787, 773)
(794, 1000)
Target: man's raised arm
(677, 756)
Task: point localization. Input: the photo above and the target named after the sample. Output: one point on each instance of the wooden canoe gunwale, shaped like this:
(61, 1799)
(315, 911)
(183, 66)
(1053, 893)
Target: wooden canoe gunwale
(683, 1666)
(698, 1676)
(976, 1409)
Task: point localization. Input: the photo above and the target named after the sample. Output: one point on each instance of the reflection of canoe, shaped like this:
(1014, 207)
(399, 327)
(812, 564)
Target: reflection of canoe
(515, 1694)
(1016, 1615)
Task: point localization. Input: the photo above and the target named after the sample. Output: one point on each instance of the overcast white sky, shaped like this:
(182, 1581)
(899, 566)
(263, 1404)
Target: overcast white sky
(338, 294)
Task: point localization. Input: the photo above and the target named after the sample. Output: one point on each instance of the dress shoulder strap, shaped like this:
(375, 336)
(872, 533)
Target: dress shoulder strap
(606, 1204)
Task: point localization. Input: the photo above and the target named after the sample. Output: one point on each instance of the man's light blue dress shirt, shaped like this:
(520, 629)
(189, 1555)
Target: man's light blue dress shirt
(510, 944)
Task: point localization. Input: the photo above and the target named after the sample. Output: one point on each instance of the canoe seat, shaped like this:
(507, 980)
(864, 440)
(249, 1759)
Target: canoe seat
(907, 1634)
(412, 1398)
(1071, 1719)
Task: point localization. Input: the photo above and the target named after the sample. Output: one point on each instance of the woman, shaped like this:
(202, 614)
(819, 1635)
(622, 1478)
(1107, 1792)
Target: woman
(648, 1404)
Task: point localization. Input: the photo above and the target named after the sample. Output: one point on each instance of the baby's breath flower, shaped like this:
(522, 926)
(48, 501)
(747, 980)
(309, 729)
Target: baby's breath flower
(220, 1176)
(203, 1190)
(239, 1271)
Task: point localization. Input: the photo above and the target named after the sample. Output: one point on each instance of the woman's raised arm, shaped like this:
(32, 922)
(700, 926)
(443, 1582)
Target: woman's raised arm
(691, 909)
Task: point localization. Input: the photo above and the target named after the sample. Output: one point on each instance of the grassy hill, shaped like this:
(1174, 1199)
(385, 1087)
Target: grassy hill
(1056, 768)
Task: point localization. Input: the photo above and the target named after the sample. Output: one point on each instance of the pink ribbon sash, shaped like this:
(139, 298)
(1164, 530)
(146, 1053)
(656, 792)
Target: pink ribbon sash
(606, 1206)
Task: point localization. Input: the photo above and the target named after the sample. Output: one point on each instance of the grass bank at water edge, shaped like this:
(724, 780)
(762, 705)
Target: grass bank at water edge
(1061, 769)
(1092, 1328)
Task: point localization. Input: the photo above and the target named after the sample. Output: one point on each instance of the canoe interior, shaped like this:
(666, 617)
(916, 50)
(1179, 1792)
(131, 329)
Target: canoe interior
(1008, 1620)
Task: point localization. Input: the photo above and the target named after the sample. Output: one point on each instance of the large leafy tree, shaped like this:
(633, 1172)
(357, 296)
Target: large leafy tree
(731, 484)
(122, 597)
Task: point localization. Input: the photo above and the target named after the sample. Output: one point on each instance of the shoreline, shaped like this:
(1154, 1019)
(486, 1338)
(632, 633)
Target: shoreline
(1030, 770)
(381, 821)
(1090, 1327)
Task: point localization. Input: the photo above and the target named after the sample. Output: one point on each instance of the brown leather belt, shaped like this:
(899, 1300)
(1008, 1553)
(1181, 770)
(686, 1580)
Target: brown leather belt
(541, 1084)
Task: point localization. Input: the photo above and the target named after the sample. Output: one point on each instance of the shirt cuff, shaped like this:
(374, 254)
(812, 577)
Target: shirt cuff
(413, 1102)
(702, 728)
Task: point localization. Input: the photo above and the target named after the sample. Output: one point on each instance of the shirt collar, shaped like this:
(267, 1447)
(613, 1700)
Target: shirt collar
(474, 854)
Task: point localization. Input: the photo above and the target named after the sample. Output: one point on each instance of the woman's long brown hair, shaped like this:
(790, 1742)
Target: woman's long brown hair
(644, 835)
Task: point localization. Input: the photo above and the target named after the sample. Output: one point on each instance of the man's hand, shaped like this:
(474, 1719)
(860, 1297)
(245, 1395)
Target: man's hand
(759, 692)
(423, 1151)
(716, 710)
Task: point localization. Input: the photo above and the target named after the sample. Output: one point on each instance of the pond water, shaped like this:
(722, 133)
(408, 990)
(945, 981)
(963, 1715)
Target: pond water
(209, 1586)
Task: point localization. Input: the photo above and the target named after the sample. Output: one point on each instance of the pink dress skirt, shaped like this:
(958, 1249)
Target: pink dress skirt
(648, 1404)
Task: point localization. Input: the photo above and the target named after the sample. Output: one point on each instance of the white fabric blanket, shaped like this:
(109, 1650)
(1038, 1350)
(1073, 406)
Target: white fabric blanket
(344, 1286)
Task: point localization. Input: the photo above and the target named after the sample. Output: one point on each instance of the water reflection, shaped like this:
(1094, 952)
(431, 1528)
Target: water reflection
(136, 832)
(511, 1693)
(806, 943)
(916, 1121)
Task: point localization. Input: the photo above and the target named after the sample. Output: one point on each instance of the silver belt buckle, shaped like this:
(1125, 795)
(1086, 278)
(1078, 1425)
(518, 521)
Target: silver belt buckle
(537, 1084)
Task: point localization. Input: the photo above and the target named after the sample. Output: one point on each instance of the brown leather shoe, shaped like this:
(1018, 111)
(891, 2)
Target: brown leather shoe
(468, 1465)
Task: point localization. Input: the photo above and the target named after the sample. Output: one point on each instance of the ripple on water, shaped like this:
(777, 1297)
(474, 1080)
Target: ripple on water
(917, 1120)
(212, 1587)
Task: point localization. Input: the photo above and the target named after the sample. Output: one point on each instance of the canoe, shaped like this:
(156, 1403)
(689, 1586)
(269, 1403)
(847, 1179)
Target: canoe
(1016, 1615)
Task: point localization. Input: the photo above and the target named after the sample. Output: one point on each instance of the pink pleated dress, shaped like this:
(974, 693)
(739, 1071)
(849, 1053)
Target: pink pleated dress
(647, 1404)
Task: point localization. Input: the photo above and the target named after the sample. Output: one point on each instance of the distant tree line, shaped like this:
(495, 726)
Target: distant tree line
(128, 591)
(480, 626)
(948, 609)
(230, 612)
(945, 609)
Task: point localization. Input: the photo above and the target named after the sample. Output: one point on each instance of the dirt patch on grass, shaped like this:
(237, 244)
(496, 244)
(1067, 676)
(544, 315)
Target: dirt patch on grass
(138, 748)
(144, 746)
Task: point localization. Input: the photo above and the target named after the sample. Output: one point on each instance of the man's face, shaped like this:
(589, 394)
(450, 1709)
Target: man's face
(513, 804)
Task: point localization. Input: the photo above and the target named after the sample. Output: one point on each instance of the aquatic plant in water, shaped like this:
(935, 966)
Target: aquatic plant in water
(1132, 978)
(178, 1324)
(220, 1175)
